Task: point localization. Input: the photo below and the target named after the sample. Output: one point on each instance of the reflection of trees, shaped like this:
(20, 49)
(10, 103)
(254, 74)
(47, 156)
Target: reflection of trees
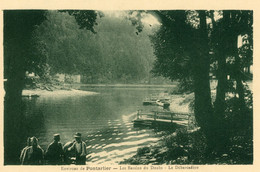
(21, 121)
(33, 117)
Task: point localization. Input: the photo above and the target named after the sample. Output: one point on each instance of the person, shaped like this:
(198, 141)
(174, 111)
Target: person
(24, 152)
(68, 154)
(80, 150)
(34, 153)
(54, 152)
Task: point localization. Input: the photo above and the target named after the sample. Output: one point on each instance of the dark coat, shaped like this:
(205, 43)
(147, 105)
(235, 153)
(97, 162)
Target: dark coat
(33, 156)
(54, 153)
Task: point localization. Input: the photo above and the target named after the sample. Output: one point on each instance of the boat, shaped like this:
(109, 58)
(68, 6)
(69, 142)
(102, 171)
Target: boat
(161, 100)
(162, 103)
(150, 101)
(31, 95)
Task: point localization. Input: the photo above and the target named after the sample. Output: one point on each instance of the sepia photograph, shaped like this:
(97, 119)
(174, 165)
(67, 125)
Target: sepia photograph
(128, 87)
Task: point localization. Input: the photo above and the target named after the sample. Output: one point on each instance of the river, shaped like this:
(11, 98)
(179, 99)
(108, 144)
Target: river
(104, 120)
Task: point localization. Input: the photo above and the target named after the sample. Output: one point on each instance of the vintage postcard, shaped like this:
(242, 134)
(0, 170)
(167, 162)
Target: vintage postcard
(129, 85)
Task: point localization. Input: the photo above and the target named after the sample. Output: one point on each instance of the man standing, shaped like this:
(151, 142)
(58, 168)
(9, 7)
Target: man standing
(54, 151)
(80, 149)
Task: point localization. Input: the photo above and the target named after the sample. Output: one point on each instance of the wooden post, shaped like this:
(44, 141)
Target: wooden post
(138, 115)
(171, 118)
(155, 116)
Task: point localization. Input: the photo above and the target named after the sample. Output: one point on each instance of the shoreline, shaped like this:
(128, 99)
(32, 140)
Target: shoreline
(46, 93)
(130, 85)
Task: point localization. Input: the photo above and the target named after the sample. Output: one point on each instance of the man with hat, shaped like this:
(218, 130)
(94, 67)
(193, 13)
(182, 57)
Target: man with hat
(54, 152)
(79, 147)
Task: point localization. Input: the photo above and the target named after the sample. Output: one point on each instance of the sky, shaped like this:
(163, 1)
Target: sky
(147, 18)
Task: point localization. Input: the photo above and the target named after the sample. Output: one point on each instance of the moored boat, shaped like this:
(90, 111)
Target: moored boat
(164, 104)
(31, 95)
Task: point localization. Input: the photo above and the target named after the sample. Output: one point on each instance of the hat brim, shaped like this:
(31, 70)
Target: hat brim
(76, 136)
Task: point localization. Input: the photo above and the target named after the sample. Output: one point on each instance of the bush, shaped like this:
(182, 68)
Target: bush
(143, 150)
(185, 147)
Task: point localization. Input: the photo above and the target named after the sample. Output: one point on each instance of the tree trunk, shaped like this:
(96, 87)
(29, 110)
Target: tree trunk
(220, 105)
(238, 70)
(13, 117)
(203, 106)
(221, 131)
(18, 27)
(242, 112)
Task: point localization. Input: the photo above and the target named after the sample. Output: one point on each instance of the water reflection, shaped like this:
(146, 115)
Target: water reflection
(105, 121)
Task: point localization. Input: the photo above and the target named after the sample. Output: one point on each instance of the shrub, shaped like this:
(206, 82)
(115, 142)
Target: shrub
(185, 147)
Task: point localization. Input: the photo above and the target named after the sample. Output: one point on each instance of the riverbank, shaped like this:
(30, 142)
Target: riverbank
(161, 152)
(185, 147)
(130, 85)
(189, 145)
(67, 92)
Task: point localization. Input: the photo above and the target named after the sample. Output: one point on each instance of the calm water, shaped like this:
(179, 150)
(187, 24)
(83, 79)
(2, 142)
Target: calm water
(104, 119)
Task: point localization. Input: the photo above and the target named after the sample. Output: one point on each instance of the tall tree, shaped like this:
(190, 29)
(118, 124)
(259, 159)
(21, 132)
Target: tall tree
(18, 28)
(220, 47)
(115, 53)
(241, 23)
(223, 36)
(184, 54)
(201, 61)
(173, 43)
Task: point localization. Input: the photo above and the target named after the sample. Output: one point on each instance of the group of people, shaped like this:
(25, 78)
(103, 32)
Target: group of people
(56, 154)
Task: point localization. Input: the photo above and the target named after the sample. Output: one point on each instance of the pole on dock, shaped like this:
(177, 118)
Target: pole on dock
(138, 114)
(171, 118)
(155, 116)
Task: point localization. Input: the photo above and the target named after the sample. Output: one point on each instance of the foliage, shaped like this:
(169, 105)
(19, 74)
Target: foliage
(184, 147)
(86, 19)
(185, 86)
(172, 44)
(19, 57)
(37, 57)
(113, 54)
(187, 45)
(248, 97)
(18, 28)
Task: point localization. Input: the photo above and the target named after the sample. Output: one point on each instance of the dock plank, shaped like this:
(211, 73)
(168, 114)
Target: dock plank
(162, 117)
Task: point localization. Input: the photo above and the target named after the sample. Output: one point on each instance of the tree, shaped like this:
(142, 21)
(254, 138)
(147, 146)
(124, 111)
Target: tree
(202, 106)
(113, 52)
(18, 28)
(172, 45)
(183, 54)
(224, 44)
(189, 32)
(241, 23)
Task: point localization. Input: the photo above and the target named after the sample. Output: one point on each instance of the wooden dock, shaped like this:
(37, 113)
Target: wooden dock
(162, 118)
